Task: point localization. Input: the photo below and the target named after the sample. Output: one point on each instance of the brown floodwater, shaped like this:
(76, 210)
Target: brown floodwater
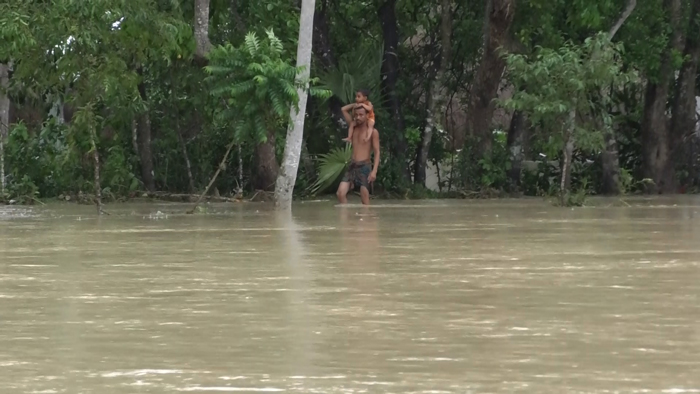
(404, 297)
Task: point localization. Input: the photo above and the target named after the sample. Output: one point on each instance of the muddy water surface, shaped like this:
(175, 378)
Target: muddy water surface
(419, 297)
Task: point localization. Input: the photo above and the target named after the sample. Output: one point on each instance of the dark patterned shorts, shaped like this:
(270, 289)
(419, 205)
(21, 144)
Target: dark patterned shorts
(358, 173)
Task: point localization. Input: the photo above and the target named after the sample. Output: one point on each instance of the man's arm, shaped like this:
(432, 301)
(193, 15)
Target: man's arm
(375, 148)
(346, 112)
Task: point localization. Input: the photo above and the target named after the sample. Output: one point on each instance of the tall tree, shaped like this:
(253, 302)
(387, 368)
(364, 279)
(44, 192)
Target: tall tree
(4, 119)
(201, 28)
(295, 132)
(323, 51)
(390, 78)
(610, 156)
(517, 144)
(656, 161)
(436, 97)
(144, 141)
(15, 37)
(497, 22)
(684, 104)
(562, 104)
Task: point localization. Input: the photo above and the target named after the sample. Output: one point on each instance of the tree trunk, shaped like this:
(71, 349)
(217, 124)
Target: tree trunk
(421, 162)
(684, 117)
(631, 5)
(144, 139)
(221, 167)
(284, 187)
(656, 163)
(498, 20)
(610, 156)
(322, 48)
(201, 28)
(4, 120)
(516, 146)
(307, 161)
(266, 165)
(236, 20)
(611, 165)
(239, 191)
(183, 147)
(135, 135)
(436, 98)
(323, 51)
(390, 77)
(568, 151)
(96, 158)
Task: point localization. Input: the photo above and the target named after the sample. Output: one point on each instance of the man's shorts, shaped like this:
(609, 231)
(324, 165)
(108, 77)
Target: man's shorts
(358, 173)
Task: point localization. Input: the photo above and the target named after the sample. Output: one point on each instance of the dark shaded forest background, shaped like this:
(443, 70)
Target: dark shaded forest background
(472, 98)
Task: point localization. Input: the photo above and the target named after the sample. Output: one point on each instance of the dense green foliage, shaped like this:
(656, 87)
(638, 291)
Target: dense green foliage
(119, 82)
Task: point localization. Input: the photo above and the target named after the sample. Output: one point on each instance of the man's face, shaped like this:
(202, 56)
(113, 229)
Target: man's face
(360, 115)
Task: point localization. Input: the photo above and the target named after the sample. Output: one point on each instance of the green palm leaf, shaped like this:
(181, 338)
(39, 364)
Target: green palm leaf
(330, 167)
(358, 70)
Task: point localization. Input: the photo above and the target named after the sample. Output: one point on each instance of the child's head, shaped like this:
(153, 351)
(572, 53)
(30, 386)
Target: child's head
(361, 96)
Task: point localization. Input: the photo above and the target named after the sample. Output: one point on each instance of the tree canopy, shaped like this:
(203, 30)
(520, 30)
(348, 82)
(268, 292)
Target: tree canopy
(472, 98)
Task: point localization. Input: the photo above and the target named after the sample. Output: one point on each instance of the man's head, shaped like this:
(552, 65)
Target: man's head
(360, 115)
(361, 96)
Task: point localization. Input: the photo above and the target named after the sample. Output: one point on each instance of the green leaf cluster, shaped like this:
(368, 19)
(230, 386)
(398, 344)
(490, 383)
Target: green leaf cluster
(552, 83)
(255, 86)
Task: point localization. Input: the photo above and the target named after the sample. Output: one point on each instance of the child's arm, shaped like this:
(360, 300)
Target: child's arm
(367, 105)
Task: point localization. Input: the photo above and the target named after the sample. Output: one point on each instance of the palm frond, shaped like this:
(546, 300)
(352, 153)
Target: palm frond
(330, 167)
(358, 70)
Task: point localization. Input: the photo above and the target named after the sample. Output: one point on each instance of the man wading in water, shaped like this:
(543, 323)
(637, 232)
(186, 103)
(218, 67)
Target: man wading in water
(361, 172)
